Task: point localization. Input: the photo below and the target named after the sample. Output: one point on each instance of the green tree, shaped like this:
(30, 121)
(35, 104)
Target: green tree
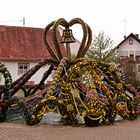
(102, 49)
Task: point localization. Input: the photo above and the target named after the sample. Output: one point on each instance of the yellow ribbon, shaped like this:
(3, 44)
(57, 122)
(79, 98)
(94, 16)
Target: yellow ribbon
(95, 118)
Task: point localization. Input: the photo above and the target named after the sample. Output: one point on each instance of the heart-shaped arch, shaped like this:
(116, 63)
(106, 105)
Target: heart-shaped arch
(86, 40)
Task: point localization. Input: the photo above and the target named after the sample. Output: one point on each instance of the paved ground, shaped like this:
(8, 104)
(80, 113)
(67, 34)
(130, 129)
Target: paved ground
(124, 130)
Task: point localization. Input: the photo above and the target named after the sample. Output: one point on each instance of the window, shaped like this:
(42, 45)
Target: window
(138, 59)
(123, 57)
(130, 41)
(132, 56)
(23, 68)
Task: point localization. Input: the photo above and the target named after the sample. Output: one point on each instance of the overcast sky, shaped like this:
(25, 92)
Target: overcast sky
(114, 17)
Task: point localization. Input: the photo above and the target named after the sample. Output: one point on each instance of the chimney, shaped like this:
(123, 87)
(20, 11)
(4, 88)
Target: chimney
(137, 35)
(124, 36)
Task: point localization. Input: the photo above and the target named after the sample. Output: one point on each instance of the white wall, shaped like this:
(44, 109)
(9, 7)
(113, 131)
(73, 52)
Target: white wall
(13, 69)
(38, 75)
(125, 46)
(126, 49)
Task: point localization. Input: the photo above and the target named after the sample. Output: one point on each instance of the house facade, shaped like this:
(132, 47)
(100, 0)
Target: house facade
(129, 47)
(21, 48)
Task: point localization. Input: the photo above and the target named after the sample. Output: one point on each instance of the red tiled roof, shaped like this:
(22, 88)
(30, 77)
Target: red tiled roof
(25, 44)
